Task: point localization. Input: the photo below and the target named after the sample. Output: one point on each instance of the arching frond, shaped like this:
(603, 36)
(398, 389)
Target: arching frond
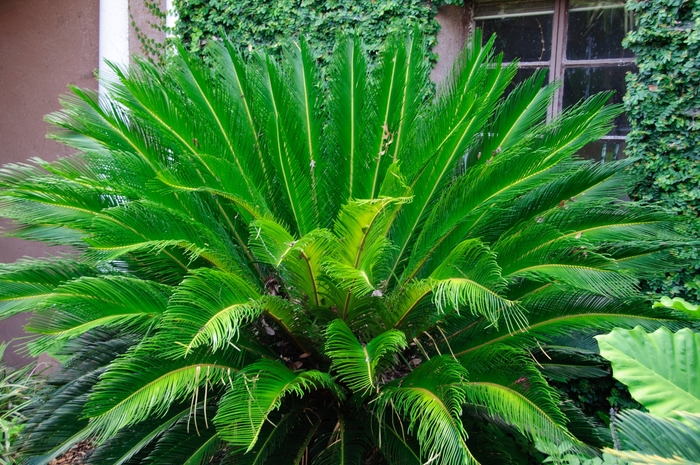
(430, 399)
(510, 387)
(135, 443)
(552, 312)
(25, 284)
(207, 309)
(86, 303)
(476, 84)
(648, 439)
(362, 225)
(470, 276)
(300, 262)
(258, 391)
(283, 437)
(358, 365)
(142, 385)
(186, 442)
(523, 109)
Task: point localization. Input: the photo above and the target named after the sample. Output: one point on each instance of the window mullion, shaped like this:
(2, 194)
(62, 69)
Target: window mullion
(556, 71)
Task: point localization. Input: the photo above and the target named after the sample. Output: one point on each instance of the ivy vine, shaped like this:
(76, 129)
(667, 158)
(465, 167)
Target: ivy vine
(268, 25)
(663, 101)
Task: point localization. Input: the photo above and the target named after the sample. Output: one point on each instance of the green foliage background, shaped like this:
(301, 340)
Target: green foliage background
(663, 101)
(255, 24)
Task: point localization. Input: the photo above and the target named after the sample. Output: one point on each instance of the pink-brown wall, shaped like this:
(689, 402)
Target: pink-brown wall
(44, 46)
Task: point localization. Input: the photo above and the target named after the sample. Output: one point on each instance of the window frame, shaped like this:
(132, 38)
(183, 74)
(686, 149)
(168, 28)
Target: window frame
(558, 63)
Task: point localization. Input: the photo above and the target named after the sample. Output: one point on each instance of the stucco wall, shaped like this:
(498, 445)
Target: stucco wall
(44, 46)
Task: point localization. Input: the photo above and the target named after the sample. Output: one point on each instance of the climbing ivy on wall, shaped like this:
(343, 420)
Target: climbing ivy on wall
(255, 24)
(663, 101)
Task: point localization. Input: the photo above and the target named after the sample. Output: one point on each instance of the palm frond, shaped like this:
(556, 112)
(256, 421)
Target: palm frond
(430, 398)
(86, 303)
(510, 387)
(258, 391)
(186, 442)
(524, 108)
(358, 365)
(460, 114)
(344, 445)
(555, 311)
(141, 385)
(283, 438)
(470, 276)
(403, 82)
(410, 309)
(221, 111)
(395, 446)
(357, 262)
(143, 225)
(284, 147)
(132, 444)
(300, 262)
(207, 309)
(346, 155)
(25, 284)
(650, 439)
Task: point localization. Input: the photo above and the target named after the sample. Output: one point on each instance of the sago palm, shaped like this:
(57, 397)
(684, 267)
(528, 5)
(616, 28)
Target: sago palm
(274, 268)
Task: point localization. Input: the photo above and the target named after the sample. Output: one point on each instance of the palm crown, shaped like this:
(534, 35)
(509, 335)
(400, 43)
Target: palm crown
(349, 271)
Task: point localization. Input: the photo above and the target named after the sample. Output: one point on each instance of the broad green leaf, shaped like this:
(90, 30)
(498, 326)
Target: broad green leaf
(678, 304)
(661, 369)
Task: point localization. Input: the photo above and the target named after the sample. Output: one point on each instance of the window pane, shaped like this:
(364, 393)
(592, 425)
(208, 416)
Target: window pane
(604, 150)
(521, 75)
(596, 30)
(580, 83)
(523, 29)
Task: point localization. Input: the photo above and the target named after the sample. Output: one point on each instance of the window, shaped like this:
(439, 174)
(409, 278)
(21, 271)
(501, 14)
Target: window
(579, 42)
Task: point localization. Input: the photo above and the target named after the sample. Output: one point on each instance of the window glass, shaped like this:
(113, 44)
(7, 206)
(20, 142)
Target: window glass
(522, 74)
(580, 83)
(596, 30)
(604, 150)
(523, 29)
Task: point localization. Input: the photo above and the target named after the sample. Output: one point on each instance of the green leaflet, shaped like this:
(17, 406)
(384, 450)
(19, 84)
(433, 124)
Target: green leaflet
(431, 398)
(208, 309)
(359, 365)
(258, 391)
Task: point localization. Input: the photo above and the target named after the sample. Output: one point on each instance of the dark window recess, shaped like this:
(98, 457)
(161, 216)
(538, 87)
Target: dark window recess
(595, 32)
(528, 38)
(581, 83)
(604, 150)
